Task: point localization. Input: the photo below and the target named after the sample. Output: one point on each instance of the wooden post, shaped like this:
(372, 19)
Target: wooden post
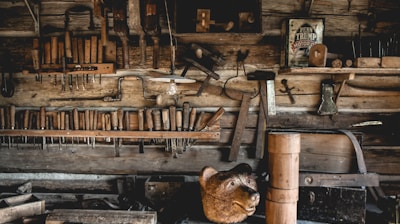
(283, 164)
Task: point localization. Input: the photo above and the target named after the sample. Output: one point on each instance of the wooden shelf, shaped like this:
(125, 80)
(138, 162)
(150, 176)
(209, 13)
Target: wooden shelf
(327, 70)
(203, 135)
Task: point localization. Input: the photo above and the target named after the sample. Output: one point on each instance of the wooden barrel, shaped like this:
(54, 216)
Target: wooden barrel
(283, 190)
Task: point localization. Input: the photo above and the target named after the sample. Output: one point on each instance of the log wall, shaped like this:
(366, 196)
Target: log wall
(369, 97)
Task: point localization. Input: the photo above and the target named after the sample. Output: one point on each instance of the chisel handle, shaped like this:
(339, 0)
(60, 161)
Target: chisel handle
(120, 114)
(165, 119)
(2, 118)
(149, 119)
(68, 49)
(42, 117)
(12, 116)
(26, 119)
(114, 120)
(217, 115)
(62, 121)
(141, 119)
(75, 115)
(199, 121)
(172, 117)
(192, 118)
(156, 119)
(178, 120)
(185, 115)
(87, 119)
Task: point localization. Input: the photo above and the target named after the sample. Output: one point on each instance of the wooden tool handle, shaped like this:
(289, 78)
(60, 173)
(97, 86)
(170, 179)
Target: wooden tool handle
(87, 51)
(199, 121)
(66, 121)
(12, 116)
(54, 50)
(149, 119)
(114, 120)
(178, 120)
(42, 117)
(107, 122)
(93, 49)
(95, 115)
(156, 119)
(67, 44)
(26, 119)
(172, 117)
(91, 119)
(47, 52)
(141, 119)
(2, 118)
(185, 114)
(120, 114)
(103, 121)
(165, 119)
(62, 121)
(128, 121)
(217, 115)
(192, 118)
(75, 116)
(87, 119)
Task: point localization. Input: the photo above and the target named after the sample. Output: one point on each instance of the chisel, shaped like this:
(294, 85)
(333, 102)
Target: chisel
(94, 127)
(61, 126)
(149, 119)
(156, 114)
(42, 114)
(87, 125)
(178, 120)
(3, 124)
(192, 118)
(12, 122)
(67, 125)
(172, 117)
(141, 128)
(114, 124)
(166, 126)
(186, 114)
(120, 114)
(75, 117)
(26, 124)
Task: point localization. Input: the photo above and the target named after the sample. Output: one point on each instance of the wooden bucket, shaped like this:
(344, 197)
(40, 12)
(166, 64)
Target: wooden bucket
(283, 190)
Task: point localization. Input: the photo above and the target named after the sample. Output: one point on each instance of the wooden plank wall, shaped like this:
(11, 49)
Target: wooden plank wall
(355, 104)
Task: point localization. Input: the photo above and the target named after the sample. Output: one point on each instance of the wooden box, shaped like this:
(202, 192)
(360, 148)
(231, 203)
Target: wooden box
(16, 207)
(332, 204)
(298, 36)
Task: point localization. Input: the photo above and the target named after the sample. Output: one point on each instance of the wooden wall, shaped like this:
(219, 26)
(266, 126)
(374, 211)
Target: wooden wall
(377, 100)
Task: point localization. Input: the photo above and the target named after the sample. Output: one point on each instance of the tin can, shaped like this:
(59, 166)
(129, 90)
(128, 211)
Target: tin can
(298, 35)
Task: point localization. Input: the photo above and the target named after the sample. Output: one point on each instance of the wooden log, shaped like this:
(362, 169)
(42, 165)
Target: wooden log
(283, 164)
(60, 216)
